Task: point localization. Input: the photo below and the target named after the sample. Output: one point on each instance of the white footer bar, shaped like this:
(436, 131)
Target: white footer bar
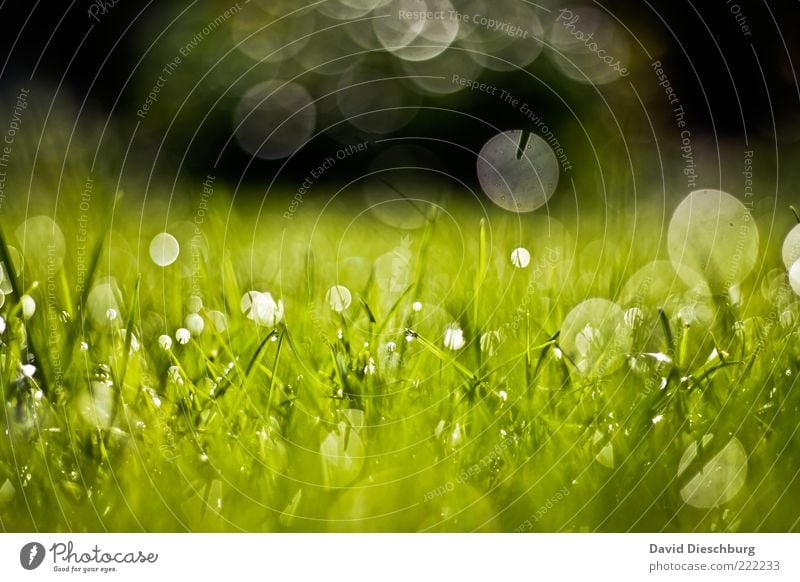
(401, 557)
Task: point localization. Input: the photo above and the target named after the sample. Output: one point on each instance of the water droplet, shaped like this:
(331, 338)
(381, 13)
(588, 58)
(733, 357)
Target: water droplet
(722, 477)
(164, 249)
(165, 342)
(342, 453)
(687, 314)
(659, 357)
(416, 39)
(28, 306)
(354, 418)
(273, 32)
(174, 373)
(43, 244)
(605, 455)
(454, 337)
(634, 317)
(339, 298)
(791, 247)
(262, 308)
(194, 323)
(194, 304)
(183, 335)
(490, 342)
(595, 336)
(96, 403)
(713, 233)
(7, 492)
(503, 174)
(219, 320)
(794, 277)
(520, 258)
(457, 437)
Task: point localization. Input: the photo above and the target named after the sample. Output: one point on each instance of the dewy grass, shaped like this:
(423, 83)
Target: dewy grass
(445, 405)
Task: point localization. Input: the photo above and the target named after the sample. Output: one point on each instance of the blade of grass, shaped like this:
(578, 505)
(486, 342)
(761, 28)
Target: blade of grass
(341, 373)
(528, 372)
(129, 330)
(422, 257)
(298, 356)
(662, 317)
(434, 349)
(367, 308)
(480, 276)
(392, 310)
(310, 276)
(77, 327)
(274, 370)
(545, 346)
(540, 361)
(251, 366)
(5, 255)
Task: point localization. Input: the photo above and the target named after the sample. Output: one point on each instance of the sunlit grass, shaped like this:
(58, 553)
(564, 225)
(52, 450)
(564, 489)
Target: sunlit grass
(328, 375)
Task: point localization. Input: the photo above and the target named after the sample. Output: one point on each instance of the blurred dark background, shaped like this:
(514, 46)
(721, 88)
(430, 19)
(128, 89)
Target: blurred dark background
(110, 62)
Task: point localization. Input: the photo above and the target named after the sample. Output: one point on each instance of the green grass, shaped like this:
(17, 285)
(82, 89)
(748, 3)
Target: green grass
(266, 428)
